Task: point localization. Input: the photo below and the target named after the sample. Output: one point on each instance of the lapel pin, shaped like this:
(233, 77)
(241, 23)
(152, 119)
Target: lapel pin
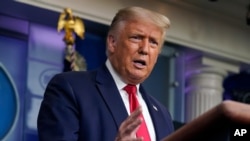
(155, 108)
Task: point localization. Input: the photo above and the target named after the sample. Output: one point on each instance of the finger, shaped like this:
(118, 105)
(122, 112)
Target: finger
(137, 139)
(136, 112)
(134, 115)
(128, 138)
(133, 127)
(132, 123)
(127, 128)
(132, 118)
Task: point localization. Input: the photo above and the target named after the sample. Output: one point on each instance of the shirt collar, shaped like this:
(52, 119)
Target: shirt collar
(118, 81)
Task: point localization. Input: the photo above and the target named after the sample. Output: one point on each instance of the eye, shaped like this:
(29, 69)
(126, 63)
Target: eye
(153, 42)
(136, 38)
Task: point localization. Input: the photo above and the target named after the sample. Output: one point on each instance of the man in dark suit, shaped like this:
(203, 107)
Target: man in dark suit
(98, 105)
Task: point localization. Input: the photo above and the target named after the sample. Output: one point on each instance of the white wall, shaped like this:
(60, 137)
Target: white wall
(190, 27)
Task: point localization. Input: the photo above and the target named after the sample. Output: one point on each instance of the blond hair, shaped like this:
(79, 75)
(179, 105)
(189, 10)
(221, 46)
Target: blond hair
(135, 13)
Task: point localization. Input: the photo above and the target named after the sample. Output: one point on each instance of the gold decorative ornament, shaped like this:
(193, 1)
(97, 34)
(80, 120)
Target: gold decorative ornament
(72, 25)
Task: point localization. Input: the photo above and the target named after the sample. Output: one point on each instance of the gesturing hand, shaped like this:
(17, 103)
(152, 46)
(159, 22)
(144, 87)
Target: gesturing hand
(128, 128)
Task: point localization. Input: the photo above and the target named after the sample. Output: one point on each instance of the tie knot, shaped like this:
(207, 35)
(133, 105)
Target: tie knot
(130, 89)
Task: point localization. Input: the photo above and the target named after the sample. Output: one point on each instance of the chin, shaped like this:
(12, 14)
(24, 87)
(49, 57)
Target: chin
(138, 78)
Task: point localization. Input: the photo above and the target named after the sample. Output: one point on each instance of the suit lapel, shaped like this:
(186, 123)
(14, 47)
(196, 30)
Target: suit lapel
(111, 95)
(155, 114)
(113, 100)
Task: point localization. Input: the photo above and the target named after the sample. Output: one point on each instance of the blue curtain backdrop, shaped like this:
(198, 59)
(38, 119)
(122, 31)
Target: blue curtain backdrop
(93, 49)
(13, 68)
(26, 66)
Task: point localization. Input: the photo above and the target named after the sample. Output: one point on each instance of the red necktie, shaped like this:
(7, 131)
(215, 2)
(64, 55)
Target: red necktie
(133, 104)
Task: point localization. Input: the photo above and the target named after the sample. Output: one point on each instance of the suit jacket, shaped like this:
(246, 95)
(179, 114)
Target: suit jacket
(87, 106)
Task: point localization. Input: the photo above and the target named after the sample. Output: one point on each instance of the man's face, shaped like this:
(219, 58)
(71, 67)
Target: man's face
(134, 50)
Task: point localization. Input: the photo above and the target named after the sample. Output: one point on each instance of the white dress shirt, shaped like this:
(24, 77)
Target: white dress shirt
(120, 85)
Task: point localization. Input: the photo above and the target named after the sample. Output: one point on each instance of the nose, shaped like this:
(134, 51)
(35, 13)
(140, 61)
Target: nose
(144, 47)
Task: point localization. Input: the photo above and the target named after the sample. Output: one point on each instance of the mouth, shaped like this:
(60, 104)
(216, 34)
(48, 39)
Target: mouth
(140, 64)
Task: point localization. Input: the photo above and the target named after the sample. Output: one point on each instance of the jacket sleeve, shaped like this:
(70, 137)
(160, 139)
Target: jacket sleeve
(58, 118)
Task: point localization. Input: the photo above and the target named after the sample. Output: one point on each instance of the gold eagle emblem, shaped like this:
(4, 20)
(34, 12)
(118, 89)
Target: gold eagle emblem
(71, 24)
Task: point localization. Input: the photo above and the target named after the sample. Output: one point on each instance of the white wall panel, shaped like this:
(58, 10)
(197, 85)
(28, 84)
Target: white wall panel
(190, 27)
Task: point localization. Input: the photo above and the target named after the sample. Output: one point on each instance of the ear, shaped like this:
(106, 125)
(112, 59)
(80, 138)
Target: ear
(111, 42)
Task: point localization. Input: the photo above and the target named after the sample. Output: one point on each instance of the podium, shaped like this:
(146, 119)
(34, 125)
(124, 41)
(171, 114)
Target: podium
(228, 121)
